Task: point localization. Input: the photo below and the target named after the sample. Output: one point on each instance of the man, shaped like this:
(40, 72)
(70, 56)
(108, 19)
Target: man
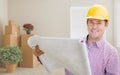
(102, 56)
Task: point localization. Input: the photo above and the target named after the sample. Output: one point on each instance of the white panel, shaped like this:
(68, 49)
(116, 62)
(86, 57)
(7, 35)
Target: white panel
(78, 22)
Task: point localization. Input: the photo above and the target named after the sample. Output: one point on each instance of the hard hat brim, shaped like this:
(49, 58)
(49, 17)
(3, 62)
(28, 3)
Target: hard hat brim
(97, 18)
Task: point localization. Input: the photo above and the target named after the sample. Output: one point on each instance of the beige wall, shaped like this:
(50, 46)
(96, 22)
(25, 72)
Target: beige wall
(52, 17)
(3, 16)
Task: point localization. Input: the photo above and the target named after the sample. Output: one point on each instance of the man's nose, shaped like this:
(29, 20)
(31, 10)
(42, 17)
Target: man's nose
(94, 26)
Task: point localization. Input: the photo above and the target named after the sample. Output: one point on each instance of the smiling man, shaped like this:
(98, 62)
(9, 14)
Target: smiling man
(103, 57)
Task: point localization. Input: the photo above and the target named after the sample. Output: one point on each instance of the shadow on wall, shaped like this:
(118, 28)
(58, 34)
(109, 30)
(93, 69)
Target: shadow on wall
(1, 33)
(0, 37)
(118, 49)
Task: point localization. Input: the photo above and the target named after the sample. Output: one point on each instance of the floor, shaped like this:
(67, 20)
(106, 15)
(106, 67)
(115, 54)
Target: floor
(39, 70)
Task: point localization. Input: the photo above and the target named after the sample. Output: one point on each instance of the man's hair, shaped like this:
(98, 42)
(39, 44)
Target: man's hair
(104, 20)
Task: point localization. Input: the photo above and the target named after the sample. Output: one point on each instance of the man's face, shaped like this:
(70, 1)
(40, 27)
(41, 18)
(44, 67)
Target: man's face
(96, 28)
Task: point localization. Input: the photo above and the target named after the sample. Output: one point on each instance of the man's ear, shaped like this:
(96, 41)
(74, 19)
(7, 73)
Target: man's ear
(106, 24)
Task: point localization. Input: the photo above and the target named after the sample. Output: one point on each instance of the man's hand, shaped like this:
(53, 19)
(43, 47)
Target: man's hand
(37, 51)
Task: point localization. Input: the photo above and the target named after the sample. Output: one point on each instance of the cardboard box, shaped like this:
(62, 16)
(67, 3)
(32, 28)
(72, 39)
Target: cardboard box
(12, 28)
(29, 59)
(11, 40)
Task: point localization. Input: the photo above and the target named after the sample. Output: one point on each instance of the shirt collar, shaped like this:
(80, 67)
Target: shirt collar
(99, 43)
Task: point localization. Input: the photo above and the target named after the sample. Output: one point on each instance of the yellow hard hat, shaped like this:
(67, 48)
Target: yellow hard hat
(98, 12)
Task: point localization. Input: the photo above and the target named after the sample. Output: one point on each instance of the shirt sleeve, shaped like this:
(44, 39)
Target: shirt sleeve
(113, 67)
(67, 72)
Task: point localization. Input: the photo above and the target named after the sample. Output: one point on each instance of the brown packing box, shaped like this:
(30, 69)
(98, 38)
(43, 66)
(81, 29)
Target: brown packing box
(24, 39)
(11, 28)
(29, 59)
(10, 39)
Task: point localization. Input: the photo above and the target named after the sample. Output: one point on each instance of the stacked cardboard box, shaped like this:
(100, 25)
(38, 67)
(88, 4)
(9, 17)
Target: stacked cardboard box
(12, 34)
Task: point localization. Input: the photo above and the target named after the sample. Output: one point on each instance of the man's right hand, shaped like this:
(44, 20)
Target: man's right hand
(37, 51)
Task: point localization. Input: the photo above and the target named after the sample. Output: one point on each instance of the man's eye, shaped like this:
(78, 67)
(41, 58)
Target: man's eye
(91, 22)
(98, 23)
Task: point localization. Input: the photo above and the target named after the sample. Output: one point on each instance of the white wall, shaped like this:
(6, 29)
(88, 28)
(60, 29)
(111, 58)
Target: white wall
(117, 22)
(52, 17)
(3, 17)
